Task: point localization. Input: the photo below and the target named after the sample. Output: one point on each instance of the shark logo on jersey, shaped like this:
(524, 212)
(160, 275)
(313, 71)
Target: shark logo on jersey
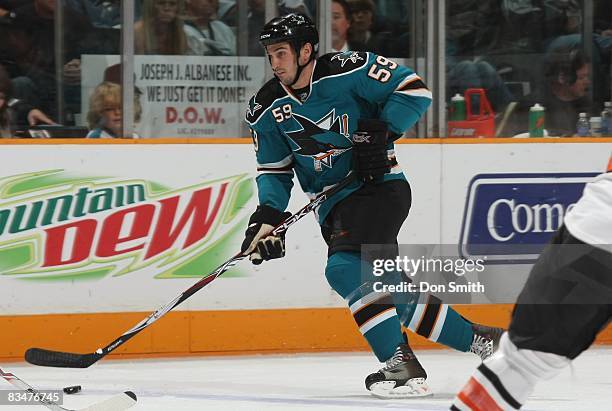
(346, 56)
(322, 152)
(253, 107)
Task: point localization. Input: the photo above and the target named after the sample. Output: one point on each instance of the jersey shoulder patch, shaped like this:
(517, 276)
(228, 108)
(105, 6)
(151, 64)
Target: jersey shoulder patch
(340, 63)
(263, 99)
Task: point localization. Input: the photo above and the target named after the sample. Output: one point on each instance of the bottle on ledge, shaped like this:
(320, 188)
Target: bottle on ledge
(606, 119)
(582, 126)
(536, 121)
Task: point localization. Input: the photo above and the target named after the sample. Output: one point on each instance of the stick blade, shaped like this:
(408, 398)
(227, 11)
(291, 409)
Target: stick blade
(49, 358)
(117, 403)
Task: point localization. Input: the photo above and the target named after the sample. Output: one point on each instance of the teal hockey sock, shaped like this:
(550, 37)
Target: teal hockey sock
(439, 323)
(374, 312)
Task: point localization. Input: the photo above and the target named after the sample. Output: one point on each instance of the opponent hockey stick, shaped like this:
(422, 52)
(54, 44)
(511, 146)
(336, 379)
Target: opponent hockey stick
(117, 403)
(49, 358)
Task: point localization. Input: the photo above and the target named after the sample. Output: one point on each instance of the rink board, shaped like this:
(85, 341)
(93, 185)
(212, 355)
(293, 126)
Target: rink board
(94, 236)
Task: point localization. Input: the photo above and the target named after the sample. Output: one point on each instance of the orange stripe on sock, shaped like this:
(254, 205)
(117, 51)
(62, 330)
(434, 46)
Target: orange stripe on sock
(610, 165)
(376, 301)
(477, 398)
(376, 316)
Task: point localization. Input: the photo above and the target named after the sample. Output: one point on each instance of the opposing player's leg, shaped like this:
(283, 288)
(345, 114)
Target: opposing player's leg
(562, 307)
(504, 381)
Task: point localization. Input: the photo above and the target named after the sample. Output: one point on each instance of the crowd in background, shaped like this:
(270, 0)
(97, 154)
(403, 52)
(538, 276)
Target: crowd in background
(524, 52)
(521, 52)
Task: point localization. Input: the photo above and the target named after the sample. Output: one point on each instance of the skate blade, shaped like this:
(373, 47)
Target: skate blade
(415, 388)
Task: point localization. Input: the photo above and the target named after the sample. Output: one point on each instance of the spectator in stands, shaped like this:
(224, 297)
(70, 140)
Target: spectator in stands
(16, 113)
(362, 19)
(206, 35)
(5, 119)
(100, 13)
(257, 17)
(5, 12)
(98, 24)
(112, 74)
(340, 24)
(28, 45)
(478, 73)
(294, 6)
(560, 18)
(472, 28)
(256, 20)
(28, 38)
(567, 83)
(364, 35)
(161, 29)
(104, 117)
(568, 33)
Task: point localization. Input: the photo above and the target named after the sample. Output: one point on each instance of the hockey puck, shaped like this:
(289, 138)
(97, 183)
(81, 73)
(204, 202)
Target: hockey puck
(73, 389)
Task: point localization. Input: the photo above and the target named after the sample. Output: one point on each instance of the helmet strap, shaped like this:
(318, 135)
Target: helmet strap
(297, 60)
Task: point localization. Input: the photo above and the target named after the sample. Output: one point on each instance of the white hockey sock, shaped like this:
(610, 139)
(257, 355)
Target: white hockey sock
(504, 381)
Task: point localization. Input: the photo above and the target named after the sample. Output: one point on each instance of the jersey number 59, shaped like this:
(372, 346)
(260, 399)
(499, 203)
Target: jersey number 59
(282, 113)
(382, 74)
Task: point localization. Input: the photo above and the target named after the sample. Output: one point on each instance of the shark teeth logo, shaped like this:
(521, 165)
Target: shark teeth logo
(321, 152)
(346, 56)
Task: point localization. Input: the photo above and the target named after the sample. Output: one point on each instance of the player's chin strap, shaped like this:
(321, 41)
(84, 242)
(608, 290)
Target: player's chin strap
(298, 72)
(298, 51)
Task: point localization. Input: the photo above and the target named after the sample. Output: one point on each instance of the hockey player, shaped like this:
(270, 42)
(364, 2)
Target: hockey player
(302, 121)
(566, 301)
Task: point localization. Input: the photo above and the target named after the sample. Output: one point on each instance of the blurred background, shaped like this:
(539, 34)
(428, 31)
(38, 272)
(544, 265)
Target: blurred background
(186, 68)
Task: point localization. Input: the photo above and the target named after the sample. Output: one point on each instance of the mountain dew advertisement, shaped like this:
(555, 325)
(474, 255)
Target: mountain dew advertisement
(122, 226)
(60, 225)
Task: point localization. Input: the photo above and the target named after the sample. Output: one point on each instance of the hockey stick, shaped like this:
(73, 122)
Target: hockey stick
(49, 358)
(117, 403)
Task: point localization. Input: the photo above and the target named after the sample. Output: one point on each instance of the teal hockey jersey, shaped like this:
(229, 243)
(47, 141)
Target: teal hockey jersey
(310, 134)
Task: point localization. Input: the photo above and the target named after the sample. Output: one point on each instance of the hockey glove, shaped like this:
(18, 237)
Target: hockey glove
(370, 158)
(257, 242)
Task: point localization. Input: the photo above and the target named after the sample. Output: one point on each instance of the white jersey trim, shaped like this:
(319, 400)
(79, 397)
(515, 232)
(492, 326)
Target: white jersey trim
(278, 164)
(590, 220)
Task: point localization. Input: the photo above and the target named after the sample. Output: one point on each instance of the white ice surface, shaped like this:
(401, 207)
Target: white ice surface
(296, 382)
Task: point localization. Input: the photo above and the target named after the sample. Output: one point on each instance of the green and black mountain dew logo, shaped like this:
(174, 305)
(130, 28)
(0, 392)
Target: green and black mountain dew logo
(60, 225)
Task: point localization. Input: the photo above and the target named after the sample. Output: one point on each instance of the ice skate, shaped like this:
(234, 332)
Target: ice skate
(401, 377)
(485, 340)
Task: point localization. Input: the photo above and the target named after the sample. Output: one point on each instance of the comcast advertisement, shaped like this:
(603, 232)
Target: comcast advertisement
(54, 224)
